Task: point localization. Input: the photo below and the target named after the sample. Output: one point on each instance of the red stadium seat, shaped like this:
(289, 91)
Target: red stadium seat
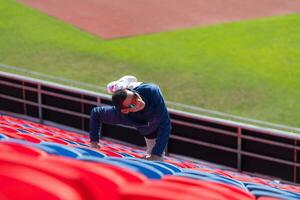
(111, 153)
(267, 198)
(10, 132)
(55, 139)
(136, 155)
(228, 191)
(164, 190)
(46, 132)
(18, 182)
(214, 171)
(129, 176)
(179, 164)
(86, 183)
(30, 138)
(11, 147)
(120, 150)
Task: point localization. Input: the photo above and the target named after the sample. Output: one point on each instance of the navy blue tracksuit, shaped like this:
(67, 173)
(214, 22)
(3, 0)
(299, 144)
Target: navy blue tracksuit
(154, 119)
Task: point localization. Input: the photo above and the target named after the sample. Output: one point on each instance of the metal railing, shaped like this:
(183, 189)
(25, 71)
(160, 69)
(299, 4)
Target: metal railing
(171, 104)
(241, 146)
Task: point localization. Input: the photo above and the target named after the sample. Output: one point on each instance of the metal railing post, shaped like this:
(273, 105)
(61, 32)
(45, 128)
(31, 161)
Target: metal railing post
(295, 161)
(239, 149)
(98, 101)
(82, 112)
(24, 97)
(40, 109)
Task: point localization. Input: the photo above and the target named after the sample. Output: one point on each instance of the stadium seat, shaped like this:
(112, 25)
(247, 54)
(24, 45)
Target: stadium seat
(30, 138)
(81, 176)
(126, 154)
(69, 141)
(191, 173)
(32, 184)
(132, 154)
(229, 190)
(162, 168)
(268, 198)
(128, 175)
(2, 136)
(165, 190)
(144, 168)
(10, 132)
(259, 194)
(111, 153)
(55, 140)
(174, 168)
(54, 178)
(177, 163)
(263, 190)
(89, 152)
(12, 147)
(57, 149)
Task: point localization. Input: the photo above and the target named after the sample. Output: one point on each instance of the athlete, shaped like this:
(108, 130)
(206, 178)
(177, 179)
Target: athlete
(137, 104)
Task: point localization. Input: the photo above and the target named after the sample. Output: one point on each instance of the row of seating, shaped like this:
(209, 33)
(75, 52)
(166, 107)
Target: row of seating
(39, 161)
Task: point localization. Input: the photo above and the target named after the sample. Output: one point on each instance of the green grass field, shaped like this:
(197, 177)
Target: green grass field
(250, 68)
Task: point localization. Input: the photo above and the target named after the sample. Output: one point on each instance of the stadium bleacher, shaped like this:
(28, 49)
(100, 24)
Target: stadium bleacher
(43, 162)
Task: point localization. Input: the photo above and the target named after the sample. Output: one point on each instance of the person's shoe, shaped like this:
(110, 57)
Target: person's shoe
(95, 145)
(153, 158)
(122, 83)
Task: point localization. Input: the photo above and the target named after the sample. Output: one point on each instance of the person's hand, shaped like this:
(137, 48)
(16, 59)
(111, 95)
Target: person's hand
(154, 158)
(95, 145)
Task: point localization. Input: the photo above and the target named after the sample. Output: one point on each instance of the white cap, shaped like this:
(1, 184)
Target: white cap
(122, 83)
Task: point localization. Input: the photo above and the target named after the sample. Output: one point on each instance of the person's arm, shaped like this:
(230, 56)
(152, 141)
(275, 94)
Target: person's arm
(99, 115)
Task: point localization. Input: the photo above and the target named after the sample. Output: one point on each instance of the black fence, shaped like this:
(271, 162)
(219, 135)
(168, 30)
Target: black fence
(240, 146)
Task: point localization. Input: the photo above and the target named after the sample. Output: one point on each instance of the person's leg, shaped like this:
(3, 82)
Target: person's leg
(150, 143)
(103, 114)
(150, 140)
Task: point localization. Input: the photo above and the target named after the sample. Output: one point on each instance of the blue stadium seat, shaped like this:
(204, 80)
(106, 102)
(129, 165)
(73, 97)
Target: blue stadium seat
(258, 189)
(90, 152)
(149, 172)
(69, 141)
(170, 166)
(258, 194)
(22, 131)
(57, 149)
(146, 169)
(162, 168)
(2, 136)
(82, 144)
(208, 176)
(126, 155)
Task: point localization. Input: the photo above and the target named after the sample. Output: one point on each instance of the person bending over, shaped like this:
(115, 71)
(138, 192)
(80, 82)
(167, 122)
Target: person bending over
(136, 104)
